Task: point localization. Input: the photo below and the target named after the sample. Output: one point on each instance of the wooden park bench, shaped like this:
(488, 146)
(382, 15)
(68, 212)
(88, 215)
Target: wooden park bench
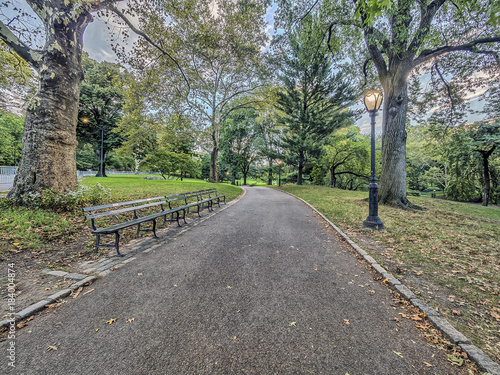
(137, 212)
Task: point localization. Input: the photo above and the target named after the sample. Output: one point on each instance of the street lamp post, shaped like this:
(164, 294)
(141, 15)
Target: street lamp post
(100, 174)
(373, 100)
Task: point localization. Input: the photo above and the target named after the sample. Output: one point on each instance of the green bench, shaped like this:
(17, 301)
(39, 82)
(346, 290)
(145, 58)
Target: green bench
(141, 211)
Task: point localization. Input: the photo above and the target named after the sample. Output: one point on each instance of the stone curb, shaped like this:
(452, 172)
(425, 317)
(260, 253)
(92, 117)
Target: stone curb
(103, 265)
(38, 306)
(484, 362)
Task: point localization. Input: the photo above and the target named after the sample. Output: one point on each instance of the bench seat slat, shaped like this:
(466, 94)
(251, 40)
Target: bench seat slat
(131, 223)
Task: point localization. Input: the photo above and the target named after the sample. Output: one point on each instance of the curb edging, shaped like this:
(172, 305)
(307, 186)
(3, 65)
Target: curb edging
(484, 362)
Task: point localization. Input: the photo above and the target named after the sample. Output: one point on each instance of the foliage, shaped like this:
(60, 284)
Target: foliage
(347, 157)
(167, 162)
(11, 130)
(238, 141)
(71, 201)
(217, 47)
(313, 100)
(15, 76)
(100, 109)
(137, 125)
(456, 159)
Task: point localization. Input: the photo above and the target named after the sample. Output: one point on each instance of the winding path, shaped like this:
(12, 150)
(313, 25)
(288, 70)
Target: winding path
(263, 287)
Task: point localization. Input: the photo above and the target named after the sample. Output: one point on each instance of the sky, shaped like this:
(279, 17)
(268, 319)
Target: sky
(97, 43)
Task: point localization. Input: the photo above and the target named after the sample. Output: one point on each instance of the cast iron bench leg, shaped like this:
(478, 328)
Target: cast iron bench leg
(154, 228)
(97, 237)
(117, 243)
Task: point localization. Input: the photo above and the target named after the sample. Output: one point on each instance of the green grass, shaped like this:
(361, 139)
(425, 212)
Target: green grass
(453, 245)
(38, 230)
(130, 187)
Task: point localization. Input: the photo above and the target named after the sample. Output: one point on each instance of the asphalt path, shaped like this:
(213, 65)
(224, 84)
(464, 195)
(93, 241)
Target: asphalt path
(263, 287)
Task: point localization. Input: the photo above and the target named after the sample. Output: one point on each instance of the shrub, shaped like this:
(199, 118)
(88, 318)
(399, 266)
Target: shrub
(153, 178)
(415, 193)
(49, 199)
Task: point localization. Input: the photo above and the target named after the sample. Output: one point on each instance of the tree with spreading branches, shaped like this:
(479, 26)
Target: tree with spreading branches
(52, 46)
(401, 38)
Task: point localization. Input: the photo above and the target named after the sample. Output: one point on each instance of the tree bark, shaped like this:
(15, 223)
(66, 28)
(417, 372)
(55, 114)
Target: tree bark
(270, 176)
(301, 168)
(137, 163)
(486, 172)
(49, 138)
(393, 176)
(213, 164)
(333, 180)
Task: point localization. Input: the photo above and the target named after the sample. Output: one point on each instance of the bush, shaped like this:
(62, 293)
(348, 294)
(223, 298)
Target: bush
(153, 178)
(71, 201)
(415, 193)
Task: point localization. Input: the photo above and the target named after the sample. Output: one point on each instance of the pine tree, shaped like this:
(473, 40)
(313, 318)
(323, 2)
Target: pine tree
(313, 99)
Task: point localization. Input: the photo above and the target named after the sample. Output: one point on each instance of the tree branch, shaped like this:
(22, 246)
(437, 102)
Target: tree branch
(427, 55)
(149, 40)
(426, 16)
(31, 56)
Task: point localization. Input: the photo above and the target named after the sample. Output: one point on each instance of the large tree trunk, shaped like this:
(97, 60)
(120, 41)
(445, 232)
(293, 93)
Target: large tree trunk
(49, 138)
(393, 177)
(213, 164)
(270, 176)
(301, 168)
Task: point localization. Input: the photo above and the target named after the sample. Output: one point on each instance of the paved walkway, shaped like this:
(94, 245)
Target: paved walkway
(5, 187)
(263, 287)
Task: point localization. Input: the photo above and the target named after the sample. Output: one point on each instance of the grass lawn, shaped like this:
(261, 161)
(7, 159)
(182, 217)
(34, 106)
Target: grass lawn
(41, 231)
(449, 255)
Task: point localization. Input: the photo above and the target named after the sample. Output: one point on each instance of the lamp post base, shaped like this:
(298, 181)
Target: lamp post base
(373, 222)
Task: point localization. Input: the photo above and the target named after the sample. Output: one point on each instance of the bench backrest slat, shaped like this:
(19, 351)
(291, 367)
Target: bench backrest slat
(120, 204)
(115, 212)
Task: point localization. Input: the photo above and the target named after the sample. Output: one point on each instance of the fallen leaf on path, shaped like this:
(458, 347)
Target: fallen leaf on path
(130, 320)
(51, 347)
(88, 291)
(346, 321)
(456, 361)
(111, 321)
(398, 354)
(293, 324)
(427, 364)
(78, 292)
(228, 287)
